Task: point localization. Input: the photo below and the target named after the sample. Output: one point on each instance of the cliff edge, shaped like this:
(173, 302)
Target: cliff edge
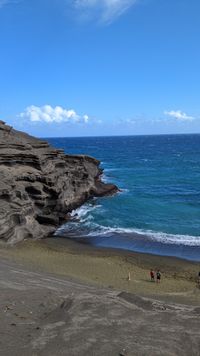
(39, 185)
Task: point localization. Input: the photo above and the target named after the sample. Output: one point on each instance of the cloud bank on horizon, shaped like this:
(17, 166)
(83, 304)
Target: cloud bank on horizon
(104, 11)
(48, 114)
(58, 115)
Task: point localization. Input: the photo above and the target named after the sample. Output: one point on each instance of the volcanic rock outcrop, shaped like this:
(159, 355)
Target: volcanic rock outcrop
(40, 185)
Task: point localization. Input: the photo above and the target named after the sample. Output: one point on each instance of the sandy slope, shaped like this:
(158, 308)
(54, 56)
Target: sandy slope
(47, 310)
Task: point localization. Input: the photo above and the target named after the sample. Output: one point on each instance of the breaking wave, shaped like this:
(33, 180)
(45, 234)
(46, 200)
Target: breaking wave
(83, 222)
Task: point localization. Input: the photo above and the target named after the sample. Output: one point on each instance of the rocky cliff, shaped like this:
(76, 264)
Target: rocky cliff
(39, 185)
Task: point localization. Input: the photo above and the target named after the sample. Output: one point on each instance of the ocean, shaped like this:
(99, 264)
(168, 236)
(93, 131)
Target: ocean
(158, 208)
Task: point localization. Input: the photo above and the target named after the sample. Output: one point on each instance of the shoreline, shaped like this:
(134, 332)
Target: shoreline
(130, 241)
(96, 242)
(110, 268)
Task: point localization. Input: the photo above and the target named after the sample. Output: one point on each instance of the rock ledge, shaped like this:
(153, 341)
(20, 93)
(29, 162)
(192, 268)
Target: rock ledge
(40, 185)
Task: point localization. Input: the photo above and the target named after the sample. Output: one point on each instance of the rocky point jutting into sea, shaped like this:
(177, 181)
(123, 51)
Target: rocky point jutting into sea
(39, 185)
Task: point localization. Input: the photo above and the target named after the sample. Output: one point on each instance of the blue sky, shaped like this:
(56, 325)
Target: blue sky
(100, 67)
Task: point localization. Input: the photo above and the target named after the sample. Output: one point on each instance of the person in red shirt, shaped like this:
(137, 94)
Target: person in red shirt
(152, 275)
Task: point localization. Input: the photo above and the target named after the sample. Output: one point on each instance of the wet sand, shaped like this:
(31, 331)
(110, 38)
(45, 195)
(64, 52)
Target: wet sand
(110, 268)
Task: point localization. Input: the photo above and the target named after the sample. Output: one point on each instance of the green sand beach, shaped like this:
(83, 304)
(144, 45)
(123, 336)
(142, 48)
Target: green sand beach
(111, 268)
(65, 298)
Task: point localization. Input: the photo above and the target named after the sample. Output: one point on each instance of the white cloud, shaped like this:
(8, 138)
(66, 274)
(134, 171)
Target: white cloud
(179, 115)
(5, 2)
(131, 121)
(49, 114)
(105, 11)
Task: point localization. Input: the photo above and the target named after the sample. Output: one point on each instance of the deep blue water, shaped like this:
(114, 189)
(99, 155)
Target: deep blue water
(158, 210)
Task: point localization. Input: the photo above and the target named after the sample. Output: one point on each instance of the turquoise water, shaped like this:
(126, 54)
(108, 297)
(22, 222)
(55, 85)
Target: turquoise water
(158, 210)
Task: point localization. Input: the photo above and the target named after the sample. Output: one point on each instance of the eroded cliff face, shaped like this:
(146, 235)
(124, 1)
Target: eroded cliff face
(39, 185)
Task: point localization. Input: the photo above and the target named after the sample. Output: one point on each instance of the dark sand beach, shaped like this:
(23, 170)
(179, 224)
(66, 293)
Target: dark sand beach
(65, 298)
(110, 267)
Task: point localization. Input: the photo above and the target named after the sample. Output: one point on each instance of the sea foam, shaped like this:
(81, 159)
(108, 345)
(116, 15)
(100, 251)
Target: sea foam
(84, 222)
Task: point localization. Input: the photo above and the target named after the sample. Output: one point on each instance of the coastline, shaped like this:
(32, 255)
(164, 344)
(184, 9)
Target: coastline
(109, 268)
(133, 242)
(40, 185)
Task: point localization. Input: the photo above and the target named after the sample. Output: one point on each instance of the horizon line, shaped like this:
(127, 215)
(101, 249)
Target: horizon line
(136, 135)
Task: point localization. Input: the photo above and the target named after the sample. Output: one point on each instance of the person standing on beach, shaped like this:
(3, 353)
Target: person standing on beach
(158, 276)
(198, 279)
(152, 275)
